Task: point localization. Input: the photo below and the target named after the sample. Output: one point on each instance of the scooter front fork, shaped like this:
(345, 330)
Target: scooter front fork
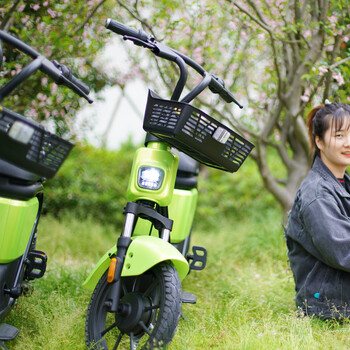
(132, 211)
(115, 271)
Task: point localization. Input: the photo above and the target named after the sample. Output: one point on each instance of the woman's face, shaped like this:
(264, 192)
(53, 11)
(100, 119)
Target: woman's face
(335, 148)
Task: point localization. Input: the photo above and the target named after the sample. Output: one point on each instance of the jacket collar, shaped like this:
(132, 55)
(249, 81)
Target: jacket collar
(326, 174)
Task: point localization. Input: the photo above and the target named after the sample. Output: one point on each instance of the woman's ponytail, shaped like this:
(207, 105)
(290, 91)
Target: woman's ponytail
(311, 125)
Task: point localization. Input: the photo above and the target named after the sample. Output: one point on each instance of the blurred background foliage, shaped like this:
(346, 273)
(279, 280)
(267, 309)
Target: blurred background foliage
(278, 58)
(63, 31)
(92, 183)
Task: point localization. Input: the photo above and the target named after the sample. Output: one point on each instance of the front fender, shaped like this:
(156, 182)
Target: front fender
(143, 253)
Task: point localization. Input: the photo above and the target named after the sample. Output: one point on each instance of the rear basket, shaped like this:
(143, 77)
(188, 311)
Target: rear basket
(29, 146)
(195, 133)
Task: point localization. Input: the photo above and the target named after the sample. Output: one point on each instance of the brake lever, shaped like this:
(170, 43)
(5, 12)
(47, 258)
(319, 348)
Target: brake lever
(68, 79)
(139, 42)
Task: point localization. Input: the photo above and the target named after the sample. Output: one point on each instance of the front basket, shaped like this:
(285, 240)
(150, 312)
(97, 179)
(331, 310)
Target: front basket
(29, 146)
(195, 133)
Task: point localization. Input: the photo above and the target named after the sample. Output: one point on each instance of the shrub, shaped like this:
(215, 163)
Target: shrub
(232, 197)
(91, 183)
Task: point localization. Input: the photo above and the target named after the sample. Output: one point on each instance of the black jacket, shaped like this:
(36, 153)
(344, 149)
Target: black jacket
(318, 241)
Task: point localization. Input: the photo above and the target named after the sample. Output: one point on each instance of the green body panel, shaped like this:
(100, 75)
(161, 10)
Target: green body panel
(143, 253)
(156, 154)
(181, 210)
(16, 224)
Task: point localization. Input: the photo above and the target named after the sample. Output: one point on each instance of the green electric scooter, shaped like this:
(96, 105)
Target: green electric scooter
(137, 294)
(28, 155)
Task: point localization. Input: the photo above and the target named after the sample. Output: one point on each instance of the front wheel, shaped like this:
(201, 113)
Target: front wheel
(148, 313)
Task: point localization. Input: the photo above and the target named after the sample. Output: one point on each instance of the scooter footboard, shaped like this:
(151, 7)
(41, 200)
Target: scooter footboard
(143, 253)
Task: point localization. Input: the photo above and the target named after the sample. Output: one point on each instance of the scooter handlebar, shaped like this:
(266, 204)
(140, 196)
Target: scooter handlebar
(216, 85)
(60, 73)
(124, 30)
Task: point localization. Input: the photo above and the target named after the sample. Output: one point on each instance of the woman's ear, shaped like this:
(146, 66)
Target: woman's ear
(319, 143)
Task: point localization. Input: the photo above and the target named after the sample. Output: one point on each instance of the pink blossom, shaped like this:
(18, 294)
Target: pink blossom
(44, 81)
(244, 34)
(338, 77)
(323, 70)
(24, 19)
(36, 7)
(53, 89)
(186, 30)
(304, 98)
(21, 8)
(51, 13)
(308, 33)
(333, 19)
(232, 25)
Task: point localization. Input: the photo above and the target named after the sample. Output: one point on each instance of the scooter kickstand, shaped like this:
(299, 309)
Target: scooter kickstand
(2, 346)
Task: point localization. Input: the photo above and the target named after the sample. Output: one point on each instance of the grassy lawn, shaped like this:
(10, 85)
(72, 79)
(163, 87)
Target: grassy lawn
(245, 295)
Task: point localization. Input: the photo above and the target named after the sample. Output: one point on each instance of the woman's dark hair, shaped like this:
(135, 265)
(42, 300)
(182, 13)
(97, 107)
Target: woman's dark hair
(318, 122)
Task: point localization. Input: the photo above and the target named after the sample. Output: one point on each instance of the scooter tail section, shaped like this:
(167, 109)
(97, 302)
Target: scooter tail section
(143, 253)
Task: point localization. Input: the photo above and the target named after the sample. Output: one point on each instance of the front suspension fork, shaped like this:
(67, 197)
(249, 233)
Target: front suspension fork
(132, 212)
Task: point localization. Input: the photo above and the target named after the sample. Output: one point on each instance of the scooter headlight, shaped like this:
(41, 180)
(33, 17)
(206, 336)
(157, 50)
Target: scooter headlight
(150, 178)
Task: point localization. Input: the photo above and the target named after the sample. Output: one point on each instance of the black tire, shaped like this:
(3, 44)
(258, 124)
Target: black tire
(150, 312)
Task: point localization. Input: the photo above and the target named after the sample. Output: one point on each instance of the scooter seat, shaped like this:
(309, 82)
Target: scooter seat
(9, 170)
(187, 172)
(18, 183)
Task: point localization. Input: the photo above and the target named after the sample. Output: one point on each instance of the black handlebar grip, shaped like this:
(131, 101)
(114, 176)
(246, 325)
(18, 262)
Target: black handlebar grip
(122, 29)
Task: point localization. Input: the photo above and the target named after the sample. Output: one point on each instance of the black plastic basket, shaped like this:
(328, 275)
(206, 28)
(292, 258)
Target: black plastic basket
(29, 146)
(195, 133)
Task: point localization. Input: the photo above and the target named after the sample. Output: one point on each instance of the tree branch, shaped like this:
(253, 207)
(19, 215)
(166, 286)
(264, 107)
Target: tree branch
(6, 20)
(270, 32)
(90, 16)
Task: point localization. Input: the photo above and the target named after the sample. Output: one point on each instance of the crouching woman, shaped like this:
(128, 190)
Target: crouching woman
(318, 228)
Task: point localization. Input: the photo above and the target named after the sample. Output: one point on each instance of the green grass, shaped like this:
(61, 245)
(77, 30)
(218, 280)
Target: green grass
(245, 295)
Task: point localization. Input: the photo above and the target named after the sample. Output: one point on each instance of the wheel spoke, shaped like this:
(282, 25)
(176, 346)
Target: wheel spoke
(144, 328)
(150, 288)
(124, 289)
(109, 328)
(132, 343)
(154, 307)
(118, 341)
(133, 288)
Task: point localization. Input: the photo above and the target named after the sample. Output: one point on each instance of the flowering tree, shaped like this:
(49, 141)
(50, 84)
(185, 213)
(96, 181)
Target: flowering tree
(70, 32)
(279, 57)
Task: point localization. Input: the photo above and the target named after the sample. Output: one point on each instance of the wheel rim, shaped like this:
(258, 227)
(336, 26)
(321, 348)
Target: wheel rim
(132, 326)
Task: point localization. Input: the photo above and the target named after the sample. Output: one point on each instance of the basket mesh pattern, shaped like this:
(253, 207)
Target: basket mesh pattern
(47, 150)
(198, 127)
(165, 116)
(44, 152)
(195, 133)
(236, 149)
